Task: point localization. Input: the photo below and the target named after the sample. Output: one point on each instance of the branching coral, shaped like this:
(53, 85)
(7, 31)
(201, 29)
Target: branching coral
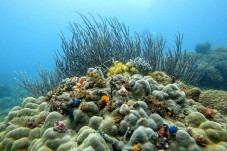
(101, 50)
(40, 86)
(92, 46)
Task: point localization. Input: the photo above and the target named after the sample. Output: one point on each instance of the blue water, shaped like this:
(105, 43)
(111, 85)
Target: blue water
(29, 29)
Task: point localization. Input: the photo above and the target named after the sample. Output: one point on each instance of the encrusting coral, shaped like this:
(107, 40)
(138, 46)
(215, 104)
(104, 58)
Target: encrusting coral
(121, 112)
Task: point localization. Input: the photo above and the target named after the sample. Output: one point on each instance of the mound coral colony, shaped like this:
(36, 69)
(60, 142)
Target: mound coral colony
(128, 112)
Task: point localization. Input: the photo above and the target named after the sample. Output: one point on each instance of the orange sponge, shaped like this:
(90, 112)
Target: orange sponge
(105, 99)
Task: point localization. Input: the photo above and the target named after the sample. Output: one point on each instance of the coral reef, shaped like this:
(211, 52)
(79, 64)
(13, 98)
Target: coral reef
(8, 93)
(5, 107)
(214, 67)
(122, 112)
(4, 90)
(202, 47)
